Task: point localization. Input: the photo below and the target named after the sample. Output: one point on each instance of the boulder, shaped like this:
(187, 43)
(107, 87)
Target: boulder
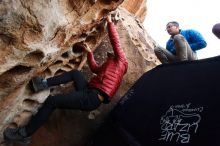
(38, 38)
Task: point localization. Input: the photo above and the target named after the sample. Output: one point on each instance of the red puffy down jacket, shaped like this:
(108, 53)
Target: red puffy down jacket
(109, 75)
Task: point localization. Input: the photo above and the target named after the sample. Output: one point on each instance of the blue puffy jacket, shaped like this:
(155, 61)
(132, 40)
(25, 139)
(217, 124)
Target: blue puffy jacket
(193, 37)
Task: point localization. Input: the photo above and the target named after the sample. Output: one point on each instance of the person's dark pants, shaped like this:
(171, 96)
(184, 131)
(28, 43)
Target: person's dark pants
(183, 51)
(82, 98)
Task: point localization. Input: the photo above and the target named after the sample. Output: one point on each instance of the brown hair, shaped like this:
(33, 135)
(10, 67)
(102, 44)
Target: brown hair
(174, 23)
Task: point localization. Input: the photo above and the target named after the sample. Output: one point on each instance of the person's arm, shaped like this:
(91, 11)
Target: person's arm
(92, 63)
(90, 58)
(197, 39)
(216, 30)
(114, 39)
(170, 46)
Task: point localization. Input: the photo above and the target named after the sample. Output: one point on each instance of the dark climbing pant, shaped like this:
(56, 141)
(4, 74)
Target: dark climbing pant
(83, 98)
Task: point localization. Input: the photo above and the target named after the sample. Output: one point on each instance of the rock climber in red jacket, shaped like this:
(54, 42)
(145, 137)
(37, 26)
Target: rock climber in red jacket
(86, 96)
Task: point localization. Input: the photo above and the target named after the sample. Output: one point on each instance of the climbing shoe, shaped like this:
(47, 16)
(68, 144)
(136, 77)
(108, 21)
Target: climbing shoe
(16, 135)
(38, 84)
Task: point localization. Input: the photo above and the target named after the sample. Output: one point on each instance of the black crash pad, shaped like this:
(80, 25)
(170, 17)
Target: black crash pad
(175, 104)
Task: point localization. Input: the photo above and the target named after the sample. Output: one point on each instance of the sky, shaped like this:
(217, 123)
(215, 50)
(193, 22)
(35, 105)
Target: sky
(200, 15)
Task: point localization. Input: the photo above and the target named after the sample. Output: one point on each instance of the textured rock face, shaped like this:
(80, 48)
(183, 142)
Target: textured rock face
(38, 37)
(138, 8)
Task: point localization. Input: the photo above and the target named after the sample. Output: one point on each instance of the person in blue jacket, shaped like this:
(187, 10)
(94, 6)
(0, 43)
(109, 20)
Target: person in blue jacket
(182, 44)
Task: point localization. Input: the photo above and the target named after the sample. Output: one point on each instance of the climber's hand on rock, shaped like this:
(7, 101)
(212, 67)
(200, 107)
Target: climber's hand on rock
(108, 18)
(115, 16)
(86, 47)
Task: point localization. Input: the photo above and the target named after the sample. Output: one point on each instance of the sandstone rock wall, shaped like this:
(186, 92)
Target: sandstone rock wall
(38, 37)
(138, 8)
